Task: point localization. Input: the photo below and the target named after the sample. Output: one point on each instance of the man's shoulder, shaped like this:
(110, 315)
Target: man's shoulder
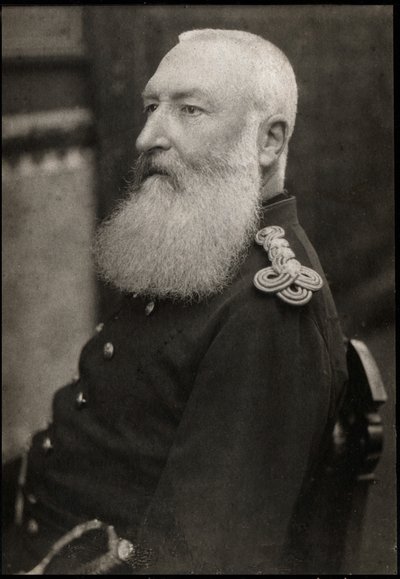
(288, 263)
(262, 295)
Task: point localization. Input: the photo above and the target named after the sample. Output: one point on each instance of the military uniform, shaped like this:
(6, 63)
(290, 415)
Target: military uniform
(192, 429)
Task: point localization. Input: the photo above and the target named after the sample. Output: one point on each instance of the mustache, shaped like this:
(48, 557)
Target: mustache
(149, 164)
(170, 165)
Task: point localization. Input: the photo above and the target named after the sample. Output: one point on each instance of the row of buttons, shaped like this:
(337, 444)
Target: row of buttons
(47, 445)
(108, 353)
(32, 526)
(80, 400)
(108, 348)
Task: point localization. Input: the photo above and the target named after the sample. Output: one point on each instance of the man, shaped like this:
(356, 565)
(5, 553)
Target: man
(205, 404)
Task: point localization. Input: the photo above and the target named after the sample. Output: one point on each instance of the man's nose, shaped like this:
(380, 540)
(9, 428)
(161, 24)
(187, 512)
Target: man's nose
(155, 134)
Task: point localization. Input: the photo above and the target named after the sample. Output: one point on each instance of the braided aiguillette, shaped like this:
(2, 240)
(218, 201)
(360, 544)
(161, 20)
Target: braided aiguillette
(286, 277)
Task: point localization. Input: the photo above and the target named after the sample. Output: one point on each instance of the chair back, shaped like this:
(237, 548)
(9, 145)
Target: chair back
(328, 526)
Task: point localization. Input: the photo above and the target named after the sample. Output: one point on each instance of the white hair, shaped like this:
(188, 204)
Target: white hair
(183, 238)
(274, 89)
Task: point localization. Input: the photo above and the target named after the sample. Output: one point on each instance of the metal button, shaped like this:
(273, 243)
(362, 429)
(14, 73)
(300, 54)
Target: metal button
(99, 327)
(47, 445)
(125, 549)
(149, 308)
(80, 400)
(108, 350)
(31, 499)
(32, 527)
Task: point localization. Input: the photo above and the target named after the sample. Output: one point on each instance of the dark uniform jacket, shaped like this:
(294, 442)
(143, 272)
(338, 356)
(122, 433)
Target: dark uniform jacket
(194, 429)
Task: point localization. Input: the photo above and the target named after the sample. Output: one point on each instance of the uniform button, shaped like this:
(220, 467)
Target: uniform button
(80, 400)
(31, 499)
(99, 327)
(47, 445)
(149, 308)
(32, 527)
(125, 549)
(108, 350)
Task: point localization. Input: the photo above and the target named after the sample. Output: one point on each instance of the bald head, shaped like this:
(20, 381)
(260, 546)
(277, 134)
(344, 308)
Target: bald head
(212, 86)
(270, 83)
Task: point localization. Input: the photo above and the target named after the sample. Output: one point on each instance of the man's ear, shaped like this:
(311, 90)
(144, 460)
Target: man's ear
(272, 140)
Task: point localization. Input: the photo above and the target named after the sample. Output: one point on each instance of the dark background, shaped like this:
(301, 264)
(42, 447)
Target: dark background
(340, 163)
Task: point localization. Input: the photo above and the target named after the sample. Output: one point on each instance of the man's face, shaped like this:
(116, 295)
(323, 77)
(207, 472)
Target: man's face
(193, 204)
(195, 103)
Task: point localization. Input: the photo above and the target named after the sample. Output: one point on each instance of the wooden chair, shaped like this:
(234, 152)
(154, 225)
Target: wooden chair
(329, 527)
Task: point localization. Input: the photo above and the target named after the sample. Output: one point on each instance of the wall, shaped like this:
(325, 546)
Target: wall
(48, 212)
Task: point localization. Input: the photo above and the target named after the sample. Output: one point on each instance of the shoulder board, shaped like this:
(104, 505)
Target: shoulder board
(286, 277)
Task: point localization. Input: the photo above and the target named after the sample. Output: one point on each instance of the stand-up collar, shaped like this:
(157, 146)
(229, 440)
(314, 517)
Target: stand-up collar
(279, 212)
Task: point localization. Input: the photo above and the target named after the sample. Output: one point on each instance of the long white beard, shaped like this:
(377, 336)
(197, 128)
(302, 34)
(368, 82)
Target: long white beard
(183, 237)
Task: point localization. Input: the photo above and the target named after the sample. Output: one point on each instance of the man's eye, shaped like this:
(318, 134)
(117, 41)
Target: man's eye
(150, 109)
(191, 110)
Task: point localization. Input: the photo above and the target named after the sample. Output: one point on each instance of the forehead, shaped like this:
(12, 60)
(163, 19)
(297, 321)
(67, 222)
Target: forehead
(209, 70)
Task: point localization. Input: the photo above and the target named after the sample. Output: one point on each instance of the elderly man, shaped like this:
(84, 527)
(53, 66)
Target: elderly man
(205, 404)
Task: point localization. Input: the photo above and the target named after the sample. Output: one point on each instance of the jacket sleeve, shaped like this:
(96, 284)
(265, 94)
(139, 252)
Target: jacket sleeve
(249, 434)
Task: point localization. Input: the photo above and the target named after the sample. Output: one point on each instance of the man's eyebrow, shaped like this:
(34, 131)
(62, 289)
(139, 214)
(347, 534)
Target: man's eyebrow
(150, 93)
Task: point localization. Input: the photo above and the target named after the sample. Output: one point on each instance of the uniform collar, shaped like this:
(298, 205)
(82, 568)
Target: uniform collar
(283, 211)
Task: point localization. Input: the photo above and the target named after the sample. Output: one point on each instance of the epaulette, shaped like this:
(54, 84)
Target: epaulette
(286, 277)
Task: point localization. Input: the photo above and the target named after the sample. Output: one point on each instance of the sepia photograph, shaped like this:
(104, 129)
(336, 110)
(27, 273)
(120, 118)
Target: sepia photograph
(198, 290)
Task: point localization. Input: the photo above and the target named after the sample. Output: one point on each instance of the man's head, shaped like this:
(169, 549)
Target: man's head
(210, 86)
(220, 112)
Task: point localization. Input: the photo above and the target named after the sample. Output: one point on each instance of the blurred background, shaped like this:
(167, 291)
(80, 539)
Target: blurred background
(72, 78)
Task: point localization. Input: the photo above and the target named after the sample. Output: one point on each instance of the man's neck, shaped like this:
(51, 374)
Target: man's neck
(272, 185)
(280, 196)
